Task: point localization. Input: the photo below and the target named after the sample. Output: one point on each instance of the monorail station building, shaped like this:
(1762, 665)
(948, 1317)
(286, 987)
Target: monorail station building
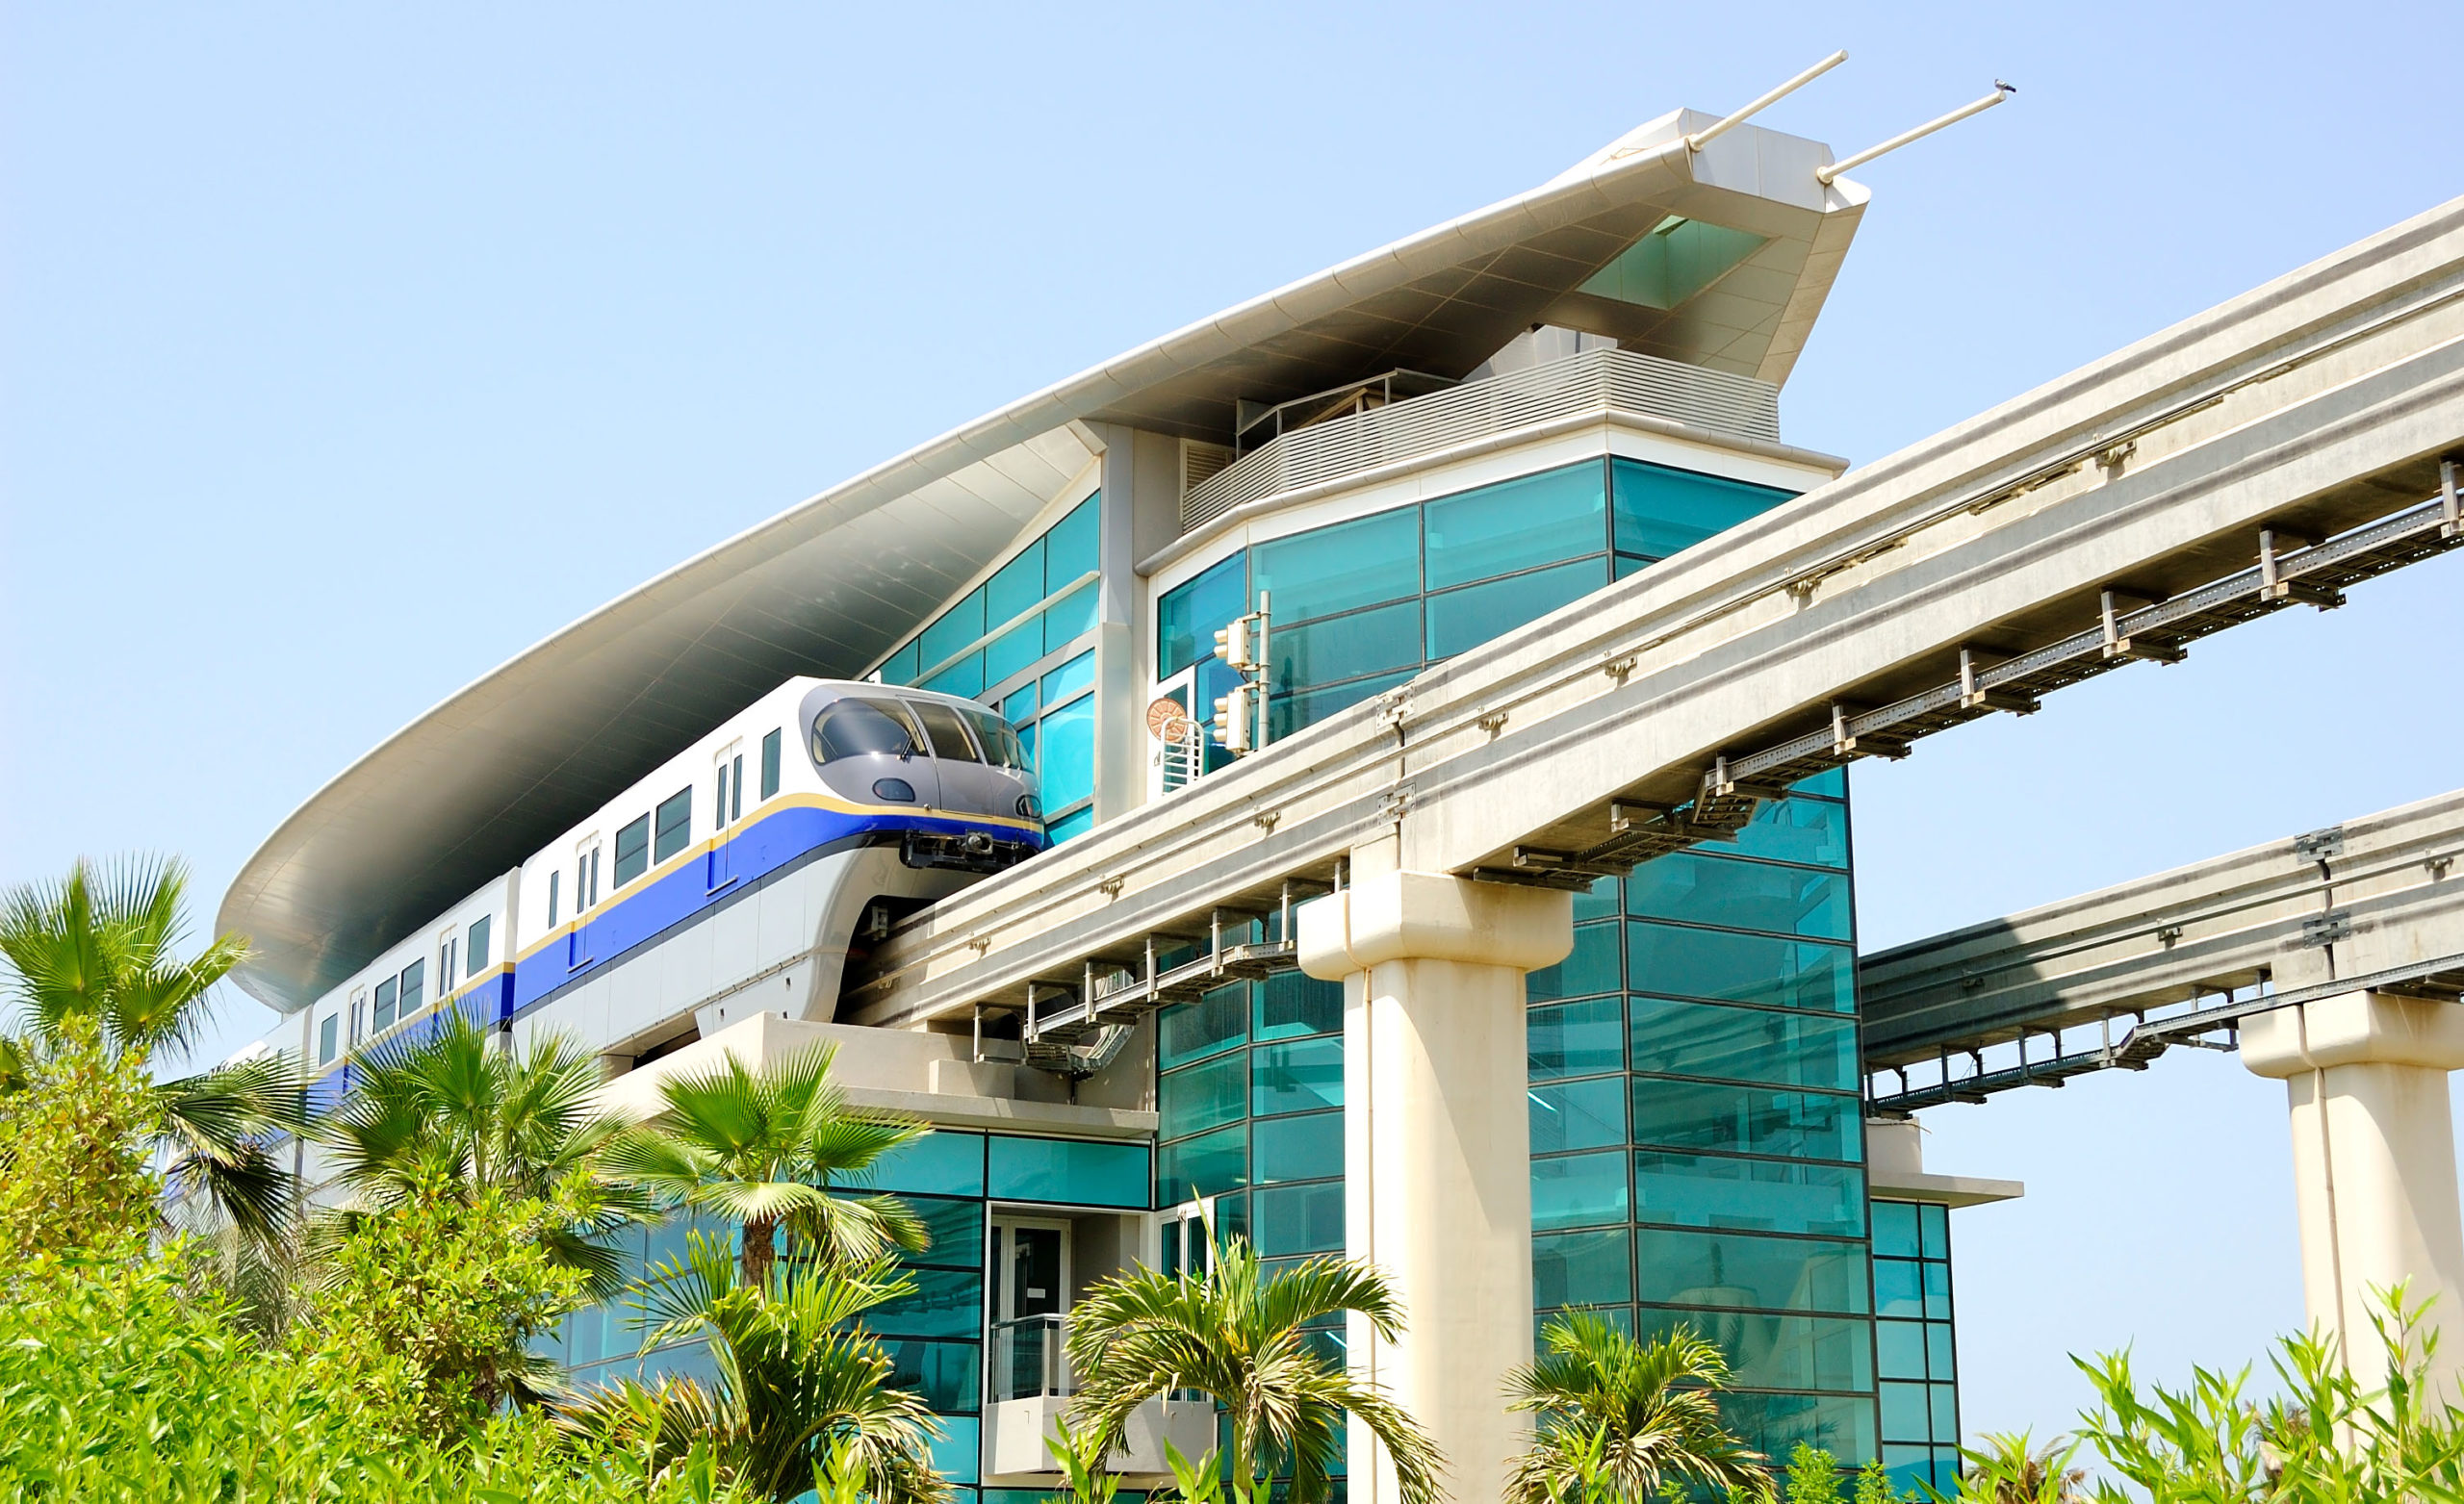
(1498, 927)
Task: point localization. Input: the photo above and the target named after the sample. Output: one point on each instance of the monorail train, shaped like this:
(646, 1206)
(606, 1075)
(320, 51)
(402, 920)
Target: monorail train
(734, 879)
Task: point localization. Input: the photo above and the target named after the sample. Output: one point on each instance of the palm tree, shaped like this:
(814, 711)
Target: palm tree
(1236, 1334)
(803, 1390)
(451, 1107)
(96, 956)
(1618, 1416)
(2010, 1469)
(764, 1150)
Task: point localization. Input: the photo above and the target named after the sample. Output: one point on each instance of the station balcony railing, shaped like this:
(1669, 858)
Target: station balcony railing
(1029, 1358)
(1569, 389)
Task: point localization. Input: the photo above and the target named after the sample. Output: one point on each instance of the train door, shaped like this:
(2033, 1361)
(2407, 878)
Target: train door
(727, 808)
(579, 951)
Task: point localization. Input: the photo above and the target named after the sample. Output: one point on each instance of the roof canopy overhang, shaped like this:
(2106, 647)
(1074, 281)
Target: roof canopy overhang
(473, 787)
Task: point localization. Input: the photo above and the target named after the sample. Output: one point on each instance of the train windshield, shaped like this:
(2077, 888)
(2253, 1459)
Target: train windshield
(949, 734)
(856, 728)
(1000, 744)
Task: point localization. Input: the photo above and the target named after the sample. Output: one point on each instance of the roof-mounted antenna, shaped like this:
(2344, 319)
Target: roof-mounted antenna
(1829, 170)
(1701, 138)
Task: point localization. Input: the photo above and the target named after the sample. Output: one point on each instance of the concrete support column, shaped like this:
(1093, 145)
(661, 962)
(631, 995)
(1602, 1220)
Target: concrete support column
(1437, 1143)
(2373, 1159)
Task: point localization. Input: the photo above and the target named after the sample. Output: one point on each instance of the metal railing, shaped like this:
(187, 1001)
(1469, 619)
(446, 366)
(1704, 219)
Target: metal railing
(1029, 1358)
(1596, 381)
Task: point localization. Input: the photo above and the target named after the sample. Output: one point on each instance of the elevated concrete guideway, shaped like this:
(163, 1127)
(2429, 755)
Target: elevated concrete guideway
(2116, 976)
(2268, 452)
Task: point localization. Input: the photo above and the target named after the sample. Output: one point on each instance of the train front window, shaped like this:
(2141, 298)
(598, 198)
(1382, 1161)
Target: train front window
(854, 727)
(1000, 744)
(950, 740)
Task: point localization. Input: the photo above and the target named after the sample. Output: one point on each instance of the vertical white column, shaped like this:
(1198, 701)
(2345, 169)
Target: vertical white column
(2374, 1160)
(1437, 1144)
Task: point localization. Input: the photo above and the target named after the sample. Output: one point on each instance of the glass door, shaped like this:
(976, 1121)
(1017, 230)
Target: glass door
(1031, 1297)
(577, 946)
(727, 808)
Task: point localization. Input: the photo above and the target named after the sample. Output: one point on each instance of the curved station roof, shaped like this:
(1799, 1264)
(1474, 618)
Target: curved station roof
(1719, 257)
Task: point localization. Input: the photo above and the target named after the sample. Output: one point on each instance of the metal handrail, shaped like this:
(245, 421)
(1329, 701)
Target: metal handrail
(1593, 381)
(1030, 1357)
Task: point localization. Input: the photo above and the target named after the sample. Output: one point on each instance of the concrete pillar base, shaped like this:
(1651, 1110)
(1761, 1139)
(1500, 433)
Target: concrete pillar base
(2373, 1161)
(1437, 1146)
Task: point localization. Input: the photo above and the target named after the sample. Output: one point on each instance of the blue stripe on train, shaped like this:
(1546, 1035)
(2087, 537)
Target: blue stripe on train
(753, 852)
(487, 1004)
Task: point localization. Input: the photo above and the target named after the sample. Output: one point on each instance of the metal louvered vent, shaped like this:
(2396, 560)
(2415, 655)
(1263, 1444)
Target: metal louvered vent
(1593, 382)
(1201, 462)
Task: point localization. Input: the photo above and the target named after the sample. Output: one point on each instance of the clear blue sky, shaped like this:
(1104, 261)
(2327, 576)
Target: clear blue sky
(351, 349)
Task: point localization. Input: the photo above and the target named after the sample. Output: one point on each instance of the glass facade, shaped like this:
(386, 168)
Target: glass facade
(1913, 1351)
(1023, 643)
(1362, 605)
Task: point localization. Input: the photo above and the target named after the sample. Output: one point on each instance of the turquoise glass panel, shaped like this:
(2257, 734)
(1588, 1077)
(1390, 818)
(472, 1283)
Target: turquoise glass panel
(1773, 1351)
(1204, 1166)
(1744, 895)
(1688, 1268)
(1906, 1415)
(1290, 713)
(1347, 646)
(1286, 1149)
(1661, 511)
(1899, 1349)
(1187, 615)
(1065, 759)
(1303, 1075)
(1019, 704)
(1773, 1425)
(1199, 1096)
(1829, 784)
(1071, 677)
(1341, 568)
(944, 1373)
(1014, 652)
(1899, 1288)
(956, 1450)
(1297, 1219)
(1594, 1268)
(1577, 1039)
(1292, 1002)
(899, 668)
(1070, 827)
(1796, 830)
(1599, 900)
(1517, 524)
(1590, 967)
(1913, 1465)
(1067, 1171)
(964, 677)
(1070, 547)
(1946, 1411)
(1687, 1038)
(1939, 1360)
(1467, 618)
(1192, 1030)
(953, 629)
(941, 1163)
(956, 1228)
(1934, 1225)
(1679, 257)
(1579, 1190)
(1748, 1195)
(1740, 968)
(1578, 1114)
(1937, 1290)
(1071, 617)
(1015, 588)
(1894, 1230)
(946, 1302)
(1694, 1114)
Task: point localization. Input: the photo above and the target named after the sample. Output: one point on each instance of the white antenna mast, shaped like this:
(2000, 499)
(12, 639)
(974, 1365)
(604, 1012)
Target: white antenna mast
(1829, 170)
(1704, 136)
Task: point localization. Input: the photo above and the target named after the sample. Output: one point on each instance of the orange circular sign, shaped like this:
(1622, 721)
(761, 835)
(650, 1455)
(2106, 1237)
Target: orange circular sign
(1162, 713)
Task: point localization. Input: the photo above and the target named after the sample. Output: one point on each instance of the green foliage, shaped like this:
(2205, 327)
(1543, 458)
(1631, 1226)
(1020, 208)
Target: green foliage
(1627, 1417)
(1873, 1484)
(433, 1306)
(764, 1149)
(121, 1378)
(799, 1381)
(1814, 1475)
(72, 1149)
(1236, 1335)
(1080, 1454)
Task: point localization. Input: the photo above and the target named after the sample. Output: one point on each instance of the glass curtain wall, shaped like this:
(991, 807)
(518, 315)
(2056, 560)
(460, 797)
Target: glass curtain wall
(1362, 605)
(1023, 641)
(1913, 1345)
(1697, 1136)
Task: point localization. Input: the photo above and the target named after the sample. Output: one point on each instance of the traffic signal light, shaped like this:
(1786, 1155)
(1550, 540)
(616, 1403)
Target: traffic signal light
(1234, 715)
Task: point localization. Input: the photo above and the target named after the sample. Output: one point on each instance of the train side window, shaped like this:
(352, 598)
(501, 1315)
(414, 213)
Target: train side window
(950, 740)
(449, 949)
(380, 1016)
(674, 823)
(414, 987)
(474, 943)
(326, 1041)
(552, 878)
(770, 765)
(856, 728)
(736, 810)
(633, 849)
(1000, 744)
